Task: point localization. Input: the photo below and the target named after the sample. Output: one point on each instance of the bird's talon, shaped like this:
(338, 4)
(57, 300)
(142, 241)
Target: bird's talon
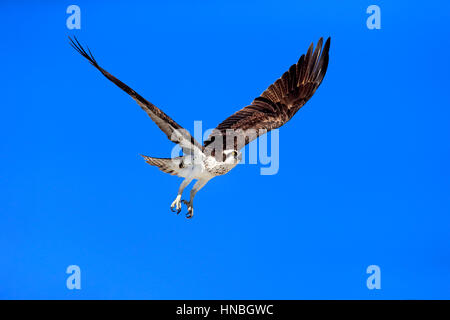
(190, 212)
(176, 205)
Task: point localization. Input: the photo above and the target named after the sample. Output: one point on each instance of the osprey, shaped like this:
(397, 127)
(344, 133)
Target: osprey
(221, 151)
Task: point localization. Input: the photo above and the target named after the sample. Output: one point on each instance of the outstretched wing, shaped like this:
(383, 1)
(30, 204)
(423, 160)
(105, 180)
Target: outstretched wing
(172, 129)
(277, 105)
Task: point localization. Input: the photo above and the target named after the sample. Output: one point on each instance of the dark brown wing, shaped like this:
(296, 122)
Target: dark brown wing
(278, 104)
(172, 129)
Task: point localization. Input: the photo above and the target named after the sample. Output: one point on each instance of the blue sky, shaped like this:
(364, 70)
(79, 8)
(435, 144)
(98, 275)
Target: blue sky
(364, 173)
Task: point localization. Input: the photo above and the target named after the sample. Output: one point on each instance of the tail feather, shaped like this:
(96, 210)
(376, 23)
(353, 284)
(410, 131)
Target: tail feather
(167, 165)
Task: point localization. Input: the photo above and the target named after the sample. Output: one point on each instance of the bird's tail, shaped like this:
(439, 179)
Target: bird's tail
(167, 165)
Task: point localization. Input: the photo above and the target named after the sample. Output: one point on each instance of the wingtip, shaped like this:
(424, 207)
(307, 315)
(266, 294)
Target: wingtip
(320, 43)
(81, 50)
(327, 44)
(71, 39)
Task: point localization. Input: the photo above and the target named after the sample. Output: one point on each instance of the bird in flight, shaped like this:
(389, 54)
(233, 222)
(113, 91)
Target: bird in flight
(221, 150)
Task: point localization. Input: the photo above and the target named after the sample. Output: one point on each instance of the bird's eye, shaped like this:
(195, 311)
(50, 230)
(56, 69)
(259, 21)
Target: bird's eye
(235, 154)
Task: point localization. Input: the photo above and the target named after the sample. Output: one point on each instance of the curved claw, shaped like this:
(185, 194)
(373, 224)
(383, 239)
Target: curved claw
(177, 211)
(176, 205)
(190, 212)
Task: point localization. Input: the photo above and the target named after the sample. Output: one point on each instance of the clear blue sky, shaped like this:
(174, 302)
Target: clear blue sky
(364, 167)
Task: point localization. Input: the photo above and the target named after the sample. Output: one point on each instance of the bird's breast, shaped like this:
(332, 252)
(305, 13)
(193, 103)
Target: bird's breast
(217, 168)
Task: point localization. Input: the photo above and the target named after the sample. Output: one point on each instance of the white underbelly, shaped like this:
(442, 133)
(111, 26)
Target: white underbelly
(195, 171)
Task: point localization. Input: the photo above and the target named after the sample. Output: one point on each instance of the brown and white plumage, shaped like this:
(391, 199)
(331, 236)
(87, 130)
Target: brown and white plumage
(278, 103)
(173, 130)
(272, 109)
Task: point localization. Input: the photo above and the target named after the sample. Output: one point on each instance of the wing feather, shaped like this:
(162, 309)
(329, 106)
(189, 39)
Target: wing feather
(277, 104)
(173, 130)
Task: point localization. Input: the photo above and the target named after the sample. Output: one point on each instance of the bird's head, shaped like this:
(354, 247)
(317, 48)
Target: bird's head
(232, 156)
